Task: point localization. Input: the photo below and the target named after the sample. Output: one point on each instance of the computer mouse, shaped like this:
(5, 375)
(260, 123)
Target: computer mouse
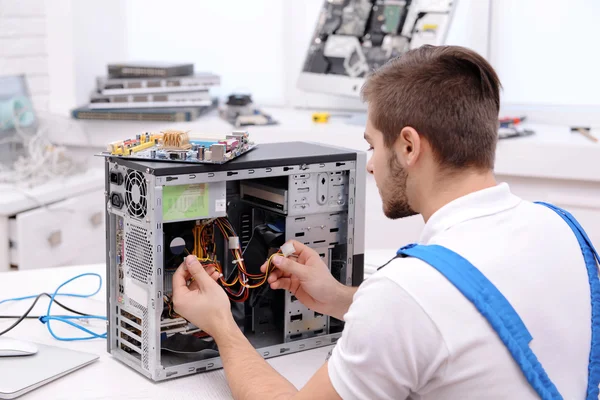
(13, 347)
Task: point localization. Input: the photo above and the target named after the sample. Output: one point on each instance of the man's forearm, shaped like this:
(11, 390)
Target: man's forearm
(250, 377)
(343, 300)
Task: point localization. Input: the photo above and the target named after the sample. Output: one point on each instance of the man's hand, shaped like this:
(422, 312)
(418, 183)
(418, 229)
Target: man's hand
(204, 303)
(308, 278)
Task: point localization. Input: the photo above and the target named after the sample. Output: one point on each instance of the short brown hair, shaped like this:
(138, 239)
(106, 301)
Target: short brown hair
(449, 94)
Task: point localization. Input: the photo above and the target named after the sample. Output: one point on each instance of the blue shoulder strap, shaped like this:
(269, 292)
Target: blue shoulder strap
(502, 316)
(590, 255)
(493, 306)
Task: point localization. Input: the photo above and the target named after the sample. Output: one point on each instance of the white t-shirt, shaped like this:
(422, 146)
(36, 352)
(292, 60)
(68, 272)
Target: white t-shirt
(411, 334)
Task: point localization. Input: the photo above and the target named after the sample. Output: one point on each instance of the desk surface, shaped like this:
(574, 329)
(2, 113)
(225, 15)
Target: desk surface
(107, 378)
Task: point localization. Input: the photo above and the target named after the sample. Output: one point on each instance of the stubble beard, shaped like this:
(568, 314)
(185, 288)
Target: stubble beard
(393, 196)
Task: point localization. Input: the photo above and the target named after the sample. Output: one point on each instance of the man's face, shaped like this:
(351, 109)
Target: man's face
(391, 178)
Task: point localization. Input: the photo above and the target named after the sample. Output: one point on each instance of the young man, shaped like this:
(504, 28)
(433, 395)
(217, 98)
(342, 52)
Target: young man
(415, 329)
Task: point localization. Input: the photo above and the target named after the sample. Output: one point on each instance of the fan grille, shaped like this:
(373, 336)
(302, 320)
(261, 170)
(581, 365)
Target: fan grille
(138, 253)
(136, 194)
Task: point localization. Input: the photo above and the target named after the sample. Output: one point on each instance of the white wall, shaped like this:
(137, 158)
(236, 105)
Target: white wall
(546, 51)
(23, 46)
(83, 36)
(238, 39)
(543, 49)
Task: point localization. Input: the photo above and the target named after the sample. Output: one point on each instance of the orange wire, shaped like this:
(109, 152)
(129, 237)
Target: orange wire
(201, 242)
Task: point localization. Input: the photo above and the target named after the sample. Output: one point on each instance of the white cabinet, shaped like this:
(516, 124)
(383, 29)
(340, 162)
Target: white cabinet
(68, 232)
(60, 222)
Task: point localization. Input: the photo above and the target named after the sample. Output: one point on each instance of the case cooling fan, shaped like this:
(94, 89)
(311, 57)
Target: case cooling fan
(136, 194)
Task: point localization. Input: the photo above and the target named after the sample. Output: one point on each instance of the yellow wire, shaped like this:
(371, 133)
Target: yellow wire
(227, 230)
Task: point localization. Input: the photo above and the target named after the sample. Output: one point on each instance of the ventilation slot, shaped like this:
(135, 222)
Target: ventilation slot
(138, 253)
(145, 345)
(246, 231)
(136, 194)
(168, 281)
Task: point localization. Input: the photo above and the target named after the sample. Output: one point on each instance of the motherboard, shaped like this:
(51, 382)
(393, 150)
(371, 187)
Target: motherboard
(354, 37)
(181, 146)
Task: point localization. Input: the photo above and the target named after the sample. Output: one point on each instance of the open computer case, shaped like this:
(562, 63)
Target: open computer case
(157, 212)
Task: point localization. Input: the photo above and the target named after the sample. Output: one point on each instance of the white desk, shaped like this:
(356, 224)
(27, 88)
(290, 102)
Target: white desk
(108, 378)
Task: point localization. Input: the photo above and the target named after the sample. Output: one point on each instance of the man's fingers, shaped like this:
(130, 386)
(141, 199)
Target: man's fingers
(210, 270)
(294, 286)
(300, 249)
(263, 268)
(273, 276)
(289, 266)
(193, 285)
(283, 283)
(197, 270)
(180, 278)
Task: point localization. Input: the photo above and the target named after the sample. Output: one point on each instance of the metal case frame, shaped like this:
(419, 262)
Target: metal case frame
(135, 278)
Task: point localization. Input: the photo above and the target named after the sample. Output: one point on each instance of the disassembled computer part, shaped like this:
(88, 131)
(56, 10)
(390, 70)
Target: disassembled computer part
(240, 111)
(233, 217)
(180, 146)
(353, 37)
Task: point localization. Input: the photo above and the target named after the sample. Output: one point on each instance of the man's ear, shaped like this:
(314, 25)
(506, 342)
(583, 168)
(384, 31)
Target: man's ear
(408, 145)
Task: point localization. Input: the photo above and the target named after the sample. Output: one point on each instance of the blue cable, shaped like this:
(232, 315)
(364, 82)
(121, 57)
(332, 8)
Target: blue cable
(45, 319)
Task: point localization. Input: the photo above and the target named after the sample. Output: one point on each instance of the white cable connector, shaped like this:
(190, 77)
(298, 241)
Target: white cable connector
(234, 243)
(288, 249)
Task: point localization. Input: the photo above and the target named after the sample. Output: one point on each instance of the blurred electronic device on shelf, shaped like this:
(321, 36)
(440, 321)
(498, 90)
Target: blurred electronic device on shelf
(18, 120)
(150, 100)
(149, 69)
(150, 92)
(353, 37)
(511, 127)
(174, 84)
(516, 132)
(180, 146)
(173, 114)
(240, 111)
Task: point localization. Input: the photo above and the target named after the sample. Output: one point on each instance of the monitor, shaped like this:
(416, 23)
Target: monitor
(354, 37)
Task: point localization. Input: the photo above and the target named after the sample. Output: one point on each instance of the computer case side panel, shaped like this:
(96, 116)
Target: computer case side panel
(109, 277)
(360, 198)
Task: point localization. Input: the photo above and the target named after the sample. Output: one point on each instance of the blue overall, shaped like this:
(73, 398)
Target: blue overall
(503, 317)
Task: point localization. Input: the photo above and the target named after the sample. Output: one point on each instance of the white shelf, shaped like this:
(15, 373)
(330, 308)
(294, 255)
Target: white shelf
(16, 199)
(553, 152)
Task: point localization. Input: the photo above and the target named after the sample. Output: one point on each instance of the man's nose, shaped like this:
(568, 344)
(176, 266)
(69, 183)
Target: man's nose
(370, 166)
